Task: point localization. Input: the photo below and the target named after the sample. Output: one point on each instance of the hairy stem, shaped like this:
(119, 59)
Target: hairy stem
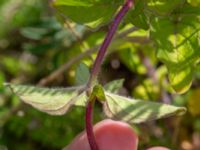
(96, 68)
(89, 128)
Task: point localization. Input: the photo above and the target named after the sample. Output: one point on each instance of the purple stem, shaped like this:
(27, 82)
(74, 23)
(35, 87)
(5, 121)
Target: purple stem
(96, 68)
(89, 128)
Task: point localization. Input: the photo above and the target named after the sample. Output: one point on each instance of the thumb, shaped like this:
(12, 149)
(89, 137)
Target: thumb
(110, 135)
(158, 148)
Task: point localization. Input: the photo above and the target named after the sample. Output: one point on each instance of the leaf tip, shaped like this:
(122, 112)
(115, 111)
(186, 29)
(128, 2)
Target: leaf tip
(182, 90)
(181, 111)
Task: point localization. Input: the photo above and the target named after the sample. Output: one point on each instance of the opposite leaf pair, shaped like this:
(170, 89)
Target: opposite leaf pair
(59, 101)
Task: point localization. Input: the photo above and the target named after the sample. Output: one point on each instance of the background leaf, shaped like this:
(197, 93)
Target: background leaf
(89, 12)
(163, 7)
(137, 111)
(114, 86)
(52, 101)
(82, 74)
(194, 2)
(194, 103)
(177, 47)
(137, 16)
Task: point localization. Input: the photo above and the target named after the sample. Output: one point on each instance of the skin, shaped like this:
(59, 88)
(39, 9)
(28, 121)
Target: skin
(110, 135)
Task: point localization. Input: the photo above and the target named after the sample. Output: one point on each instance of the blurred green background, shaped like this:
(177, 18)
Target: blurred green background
(35, 42)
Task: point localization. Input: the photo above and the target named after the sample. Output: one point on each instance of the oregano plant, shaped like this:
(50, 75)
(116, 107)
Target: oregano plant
(173, 26)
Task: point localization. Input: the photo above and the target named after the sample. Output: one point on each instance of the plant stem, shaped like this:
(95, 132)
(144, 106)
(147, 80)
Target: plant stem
(89, 128)
(96, 68)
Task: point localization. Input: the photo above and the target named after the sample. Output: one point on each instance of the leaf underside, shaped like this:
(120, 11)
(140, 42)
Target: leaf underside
(137, 111)
(52, 101)
(114, 86)
(59, 101)
(82, 74)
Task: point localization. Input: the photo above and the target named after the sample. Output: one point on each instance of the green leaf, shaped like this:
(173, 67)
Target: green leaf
(2, 79)
(133, 62)
(178, 47)
(114, 86)
(98, 93)
(33, 33)
(52, 101)
(92, 13)
(137, 111)
(137, 15)
(82, 74)
(163, 7)
(194, 2)
(193, 102)
(189, 10)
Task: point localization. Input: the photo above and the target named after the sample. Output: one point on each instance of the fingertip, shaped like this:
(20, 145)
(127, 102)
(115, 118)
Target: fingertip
(158, 148)
(110, 135)
(115, 135)
(79, 143)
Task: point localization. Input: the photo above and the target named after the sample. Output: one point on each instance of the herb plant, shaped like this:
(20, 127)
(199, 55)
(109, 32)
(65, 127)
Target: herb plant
(173, 27)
